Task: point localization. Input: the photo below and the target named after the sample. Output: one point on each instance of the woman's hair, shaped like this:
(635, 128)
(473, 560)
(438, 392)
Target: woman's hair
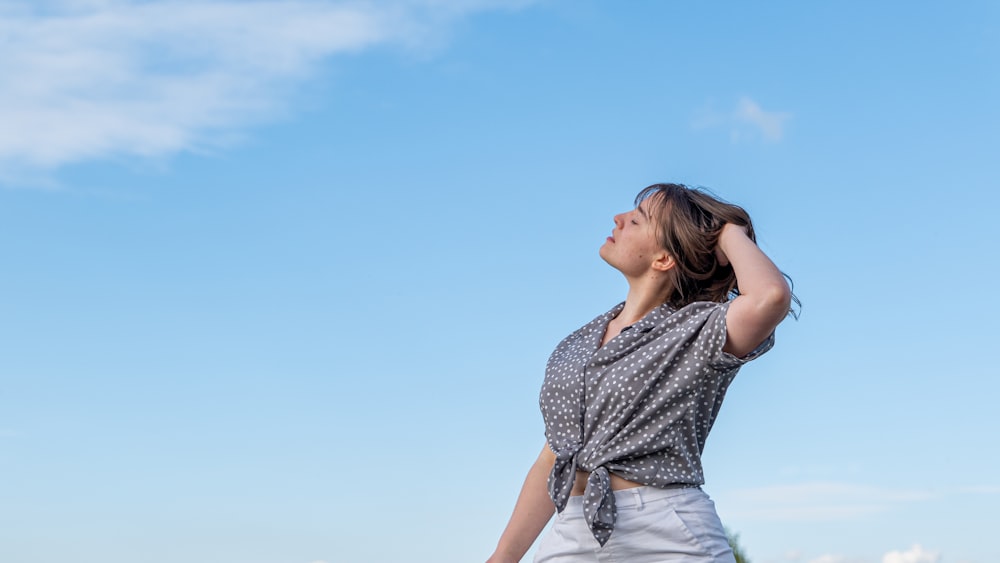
(690, 221)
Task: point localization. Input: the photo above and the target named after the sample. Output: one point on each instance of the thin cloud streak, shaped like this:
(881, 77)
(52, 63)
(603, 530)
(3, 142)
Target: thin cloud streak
(822, 501)
(981, 490)
(96, 79)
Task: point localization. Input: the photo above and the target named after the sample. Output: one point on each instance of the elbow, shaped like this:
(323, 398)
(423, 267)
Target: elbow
(776, 301)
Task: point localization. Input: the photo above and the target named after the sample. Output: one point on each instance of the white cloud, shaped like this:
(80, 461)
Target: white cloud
(746, 121)
(770, 124)
(815, 501)
(915, 554)
(85, 79)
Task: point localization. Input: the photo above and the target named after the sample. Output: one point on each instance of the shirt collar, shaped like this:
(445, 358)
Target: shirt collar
(647, 323)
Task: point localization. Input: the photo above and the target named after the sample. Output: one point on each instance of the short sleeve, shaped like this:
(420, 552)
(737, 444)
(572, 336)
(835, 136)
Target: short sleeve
(716, 325)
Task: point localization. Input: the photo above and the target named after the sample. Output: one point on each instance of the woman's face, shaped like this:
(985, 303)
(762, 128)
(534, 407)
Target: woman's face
(633, 247)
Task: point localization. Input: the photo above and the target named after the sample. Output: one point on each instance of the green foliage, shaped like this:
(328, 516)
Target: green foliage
(734, 542)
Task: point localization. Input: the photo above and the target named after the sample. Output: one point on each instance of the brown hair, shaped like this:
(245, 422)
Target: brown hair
(690, 221)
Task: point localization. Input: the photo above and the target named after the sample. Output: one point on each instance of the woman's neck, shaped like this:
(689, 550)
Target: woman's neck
(640, 301)
(643, 297)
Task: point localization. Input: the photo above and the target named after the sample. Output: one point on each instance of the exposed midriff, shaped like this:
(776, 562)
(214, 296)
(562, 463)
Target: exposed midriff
(617, 483)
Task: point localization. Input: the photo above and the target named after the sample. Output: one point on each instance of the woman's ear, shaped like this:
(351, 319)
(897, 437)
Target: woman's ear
(664, 262)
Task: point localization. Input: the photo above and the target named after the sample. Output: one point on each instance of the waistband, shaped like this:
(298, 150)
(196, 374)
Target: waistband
(637, 496)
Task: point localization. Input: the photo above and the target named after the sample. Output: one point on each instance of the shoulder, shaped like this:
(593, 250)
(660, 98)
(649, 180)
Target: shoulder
(698, 313)
(708, 325)
(694, 321)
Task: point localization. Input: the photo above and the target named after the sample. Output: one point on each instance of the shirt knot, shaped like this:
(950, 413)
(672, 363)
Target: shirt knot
(599, 505)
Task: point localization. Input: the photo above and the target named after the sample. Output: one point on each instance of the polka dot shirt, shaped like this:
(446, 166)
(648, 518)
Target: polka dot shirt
(640, 406)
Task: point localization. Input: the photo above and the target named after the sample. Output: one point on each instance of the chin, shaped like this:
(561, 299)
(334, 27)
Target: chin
(604, 256)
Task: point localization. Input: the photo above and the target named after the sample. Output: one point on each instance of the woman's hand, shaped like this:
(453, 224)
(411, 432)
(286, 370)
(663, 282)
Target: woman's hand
(729, 230)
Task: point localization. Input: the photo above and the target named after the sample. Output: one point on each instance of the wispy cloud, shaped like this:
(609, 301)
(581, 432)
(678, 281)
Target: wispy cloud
(816, 501)
(981, 490)
(915, 554)
(86, 79)
(747, 120)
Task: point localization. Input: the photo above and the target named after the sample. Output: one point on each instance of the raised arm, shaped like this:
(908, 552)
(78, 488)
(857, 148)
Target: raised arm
(531, 513)
(764, 295)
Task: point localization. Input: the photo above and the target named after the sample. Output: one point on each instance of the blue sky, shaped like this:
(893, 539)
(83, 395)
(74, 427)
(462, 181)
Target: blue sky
(280, 278)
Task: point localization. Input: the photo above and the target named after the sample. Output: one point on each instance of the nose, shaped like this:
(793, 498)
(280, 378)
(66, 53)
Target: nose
(619, 220)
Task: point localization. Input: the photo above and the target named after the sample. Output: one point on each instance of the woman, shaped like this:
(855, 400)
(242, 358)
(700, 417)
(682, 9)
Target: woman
(628, 399)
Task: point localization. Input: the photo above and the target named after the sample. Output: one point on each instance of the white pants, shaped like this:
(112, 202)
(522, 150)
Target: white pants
(653, 526)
